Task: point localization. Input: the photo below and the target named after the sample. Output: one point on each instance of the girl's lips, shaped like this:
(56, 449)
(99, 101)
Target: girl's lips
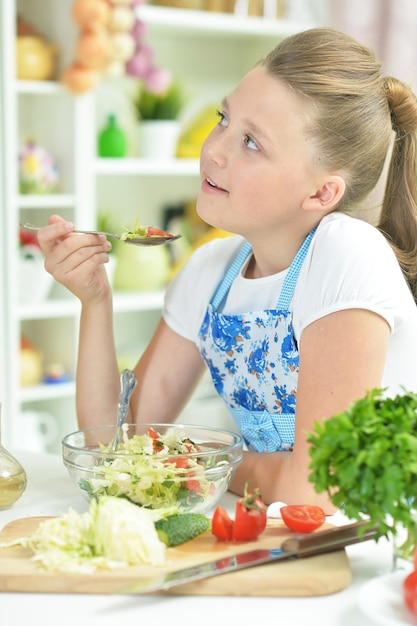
(209, 186)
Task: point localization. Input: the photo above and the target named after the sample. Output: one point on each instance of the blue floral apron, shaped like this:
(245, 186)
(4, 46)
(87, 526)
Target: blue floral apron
(253, 360)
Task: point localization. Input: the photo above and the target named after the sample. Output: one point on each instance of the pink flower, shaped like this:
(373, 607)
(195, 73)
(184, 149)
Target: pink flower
(140, 64)
(139, 31)
(158, 80)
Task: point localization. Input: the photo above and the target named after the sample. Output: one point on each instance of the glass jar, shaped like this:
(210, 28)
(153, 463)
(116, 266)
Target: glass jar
(13, 479)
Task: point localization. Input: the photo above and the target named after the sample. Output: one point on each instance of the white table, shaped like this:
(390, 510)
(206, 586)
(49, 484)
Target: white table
(51, 492)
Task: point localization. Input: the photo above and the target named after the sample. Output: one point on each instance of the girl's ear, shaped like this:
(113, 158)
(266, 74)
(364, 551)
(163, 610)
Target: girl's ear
(326, 198)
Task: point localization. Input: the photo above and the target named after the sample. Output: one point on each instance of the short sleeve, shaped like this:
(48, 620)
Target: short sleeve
(349, 265)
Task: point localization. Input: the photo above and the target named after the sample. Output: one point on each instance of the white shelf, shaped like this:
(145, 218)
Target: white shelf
(146, 167)
(50, 309)
(211, 24)
(37, 393)
(38, 87)
(45, 201)
(70, 307)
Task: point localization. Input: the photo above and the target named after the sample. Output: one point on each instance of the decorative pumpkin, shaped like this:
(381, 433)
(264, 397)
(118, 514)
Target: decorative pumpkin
(122, 19)
(93, 49)
(79, 79)
(91, 13)
(105, 43)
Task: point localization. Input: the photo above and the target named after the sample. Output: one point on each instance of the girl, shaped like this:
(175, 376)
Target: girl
(305, 308)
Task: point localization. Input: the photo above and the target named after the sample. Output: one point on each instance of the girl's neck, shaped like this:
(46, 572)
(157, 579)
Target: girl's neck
(267, 260)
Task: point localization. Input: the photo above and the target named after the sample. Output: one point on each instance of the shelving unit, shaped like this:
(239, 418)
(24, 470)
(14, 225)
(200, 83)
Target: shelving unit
(224, 48)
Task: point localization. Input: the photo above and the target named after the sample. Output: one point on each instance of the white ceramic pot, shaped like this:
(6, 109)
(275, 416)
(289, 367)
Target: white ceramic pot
(34, 281)
(158, 139)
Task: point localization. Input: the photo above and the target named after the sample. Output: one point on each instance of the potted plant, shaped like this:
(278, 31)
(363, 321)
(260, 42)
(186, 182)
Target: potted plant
(158, 103)
(165, 104)
(366, 460)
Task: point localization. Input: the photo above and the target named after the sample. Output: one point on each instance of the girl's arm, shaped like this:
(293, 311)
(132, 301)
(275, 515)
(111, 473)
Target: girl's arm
(167, 374)
(168, 371)
(342, 356)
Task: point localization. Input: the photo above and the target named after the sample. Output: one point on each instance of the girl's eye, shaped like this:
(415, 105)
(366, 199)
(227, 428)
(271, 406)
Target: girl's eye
(247, 140)
(251, 143)
(222, 120)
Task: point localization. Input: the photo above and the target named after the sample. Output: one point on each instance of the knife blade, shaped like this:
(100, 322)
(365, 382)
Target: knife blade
(299, 546)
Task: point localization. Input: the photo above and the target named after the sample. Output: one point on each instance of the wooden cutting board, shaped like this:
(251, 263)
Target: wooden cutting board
(314, 576)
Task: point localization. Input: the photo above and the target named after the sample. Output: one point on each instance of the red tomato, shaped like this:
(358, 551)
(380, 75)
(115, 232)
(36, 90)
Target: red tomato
(193, 485)
(157, 443)
(250, 517)
(153, 231)
(222, 525)
(410, 591)
(181, 462)
(303, 518)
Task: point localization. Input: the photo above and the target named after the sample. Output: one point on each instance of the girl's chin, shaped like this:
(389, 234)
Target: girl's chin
(208, 214)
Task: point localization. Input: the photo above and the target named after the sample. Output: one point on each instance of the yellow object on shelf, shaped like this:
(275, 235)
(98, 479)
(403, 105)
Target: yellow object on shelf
(31, 360)
(35, 59)
(193, 136)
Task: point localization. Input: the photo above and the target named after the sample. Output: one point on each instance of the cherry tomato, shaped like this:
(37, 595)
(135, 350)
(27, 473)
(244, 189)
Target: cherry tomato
(410, 591)
(153, 231)
(250, 517)
(222, 525)
(303, 518)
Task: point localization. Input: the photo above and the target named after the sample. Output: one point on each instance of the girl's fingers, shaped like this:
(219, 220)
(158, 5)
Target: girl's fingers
(50, 235)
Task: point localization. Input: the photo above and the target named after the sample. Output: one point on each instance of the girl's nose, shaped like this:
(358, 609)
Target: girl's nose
(215, 148)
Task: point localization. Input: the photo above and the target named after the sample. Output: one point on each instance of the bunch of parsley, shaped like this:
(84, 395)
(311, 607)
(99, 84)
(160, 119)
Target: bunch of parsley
(366, 460)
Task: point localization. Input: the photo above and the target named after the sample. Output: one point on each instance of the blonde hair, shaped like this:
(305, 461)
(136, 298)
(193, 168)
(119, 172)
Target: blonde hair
(356, 116)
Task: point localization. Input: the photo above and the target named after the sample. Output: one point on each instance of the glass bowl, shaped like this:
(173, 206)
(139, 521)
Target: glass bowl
(184, 468)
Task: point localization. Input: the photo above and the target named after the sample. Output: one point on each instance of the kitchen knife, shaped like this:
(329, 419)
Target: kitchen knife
(299, 546)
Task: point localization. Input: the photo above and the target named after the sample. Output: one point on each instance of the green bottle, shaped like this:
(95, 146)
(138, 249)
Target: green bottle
(112, 140)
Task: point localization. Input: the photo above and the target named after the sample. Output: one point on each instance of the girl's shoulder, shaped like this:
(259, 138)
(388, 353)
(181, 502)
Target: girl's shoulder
(341, 227)
(341, 239)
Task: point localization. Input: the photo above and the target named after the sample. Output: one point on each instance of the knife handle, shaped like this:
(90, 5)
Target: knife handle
(329, 540)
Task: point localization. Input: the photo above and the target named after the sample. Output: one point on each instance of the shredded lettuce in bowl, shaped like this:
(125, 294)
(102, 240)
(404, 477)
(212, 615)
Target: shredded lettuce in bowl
(158, 471)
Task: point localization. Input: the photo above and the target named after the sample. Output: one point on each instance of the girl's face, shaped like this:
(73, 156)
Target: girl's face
(258, 164)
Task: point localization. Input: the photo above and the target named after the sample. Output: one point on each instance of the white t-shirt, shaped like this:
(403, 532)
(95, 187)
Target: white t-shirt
(349, 265)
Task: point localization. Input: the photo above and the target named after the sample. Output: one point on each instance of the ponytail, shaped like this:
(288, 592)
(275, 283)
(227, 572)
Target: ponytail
(398, 219)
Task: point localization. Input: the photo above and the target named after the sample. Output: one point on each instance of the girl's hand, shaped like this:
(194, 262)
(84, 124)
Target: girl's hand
(76, 261)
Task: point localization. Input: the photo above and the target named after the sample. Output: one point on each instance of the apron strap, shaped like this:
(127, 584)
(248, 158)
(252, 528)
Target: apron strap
(290, 281)
(230, 275)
